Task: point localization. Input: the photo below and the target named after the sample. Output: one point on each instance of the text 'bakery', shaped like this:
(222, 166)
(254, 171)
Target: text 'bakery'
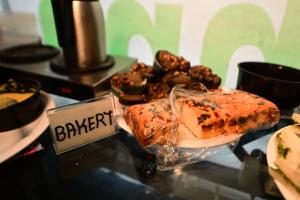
(71, 129)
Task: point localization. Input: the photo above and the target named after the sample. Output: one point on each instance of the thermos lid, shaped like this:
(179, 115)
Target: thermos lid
(28, 53)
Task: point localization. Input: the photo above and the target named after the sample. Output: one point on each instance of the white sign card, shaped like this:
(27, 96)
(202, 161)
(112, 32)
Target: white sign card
(82, 123)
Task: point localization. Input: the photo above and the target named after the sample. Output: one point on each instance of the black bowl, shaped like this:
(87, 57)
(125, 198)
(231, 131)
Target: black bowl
(24, 112)
(277, 83)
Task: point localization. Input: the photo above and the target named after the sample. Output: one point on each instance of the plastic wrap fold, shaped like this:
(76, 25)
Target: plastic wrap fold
(190, 126)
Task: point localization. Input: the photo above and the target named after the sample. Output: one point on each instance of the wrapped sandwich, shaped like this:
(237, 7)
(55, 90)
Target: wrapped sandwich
(287, 159)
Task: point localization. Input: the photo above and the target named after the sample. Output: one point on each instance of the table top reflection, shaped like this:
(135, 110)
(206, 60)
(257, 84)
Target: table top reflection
(117, 168)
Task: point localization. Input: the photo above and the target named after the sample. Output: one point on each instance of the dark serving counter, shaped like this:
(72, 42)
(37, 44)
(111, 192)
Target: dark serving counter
(117, 168)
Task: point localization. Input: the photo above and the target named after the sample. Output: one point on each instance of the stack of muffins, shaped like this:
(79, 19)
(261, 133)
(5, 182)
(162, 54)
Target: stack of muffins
(143, 83)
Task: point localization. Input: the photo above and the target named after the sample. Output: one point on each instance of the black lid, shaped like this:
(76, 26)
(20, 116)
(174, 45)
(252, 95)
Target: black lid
(28, 53)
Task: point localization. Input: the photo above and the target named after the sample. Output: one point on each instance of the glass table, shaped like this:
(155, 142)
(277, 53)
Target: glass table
(117, 168)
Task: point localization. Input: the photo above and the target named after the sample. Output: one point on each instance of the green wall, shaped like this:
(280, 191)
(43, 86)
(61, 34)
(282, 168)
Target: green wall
(233, 26)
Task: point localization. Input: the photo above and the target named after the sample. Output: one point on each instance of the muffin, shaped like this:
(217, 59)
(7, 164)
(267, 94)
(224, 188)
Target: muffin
(199, 72)
(144, 83)
(184, 65)
(166, 62)
(116, 85)
(205, 75)
(133, 83)
(158, 90)
(212, 81)
(166, 77)
(146, 70)
(130, 99)
(196, 86)
(179, 78)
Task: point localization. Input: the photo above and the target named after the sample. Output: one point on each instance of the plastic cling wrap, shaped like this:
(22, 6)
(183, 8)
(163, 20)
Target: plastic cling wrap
(189, 126)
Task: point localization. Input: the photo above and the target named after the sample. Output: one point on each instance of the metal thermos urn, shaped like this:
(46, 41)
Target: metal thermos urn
(81, 34)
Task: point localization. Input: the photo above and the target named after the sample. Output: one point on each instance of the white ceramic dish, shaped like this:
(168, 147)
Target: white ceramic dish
(286, 191)
(13, 141)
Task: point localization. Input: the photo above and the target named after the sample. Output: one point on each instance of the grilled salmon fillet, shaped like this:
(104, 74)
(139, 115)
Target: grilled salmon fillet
(205, 116)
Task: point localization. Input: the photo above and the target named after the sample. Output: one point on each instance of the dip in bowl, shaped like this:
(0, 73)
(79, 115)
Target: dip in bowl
(20, 103)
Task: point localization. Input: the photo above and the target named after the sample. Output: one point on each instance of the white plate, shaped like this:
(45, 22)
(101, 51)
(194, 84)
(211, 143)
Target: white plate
(13, 141)
(287, 192)
(190, 140)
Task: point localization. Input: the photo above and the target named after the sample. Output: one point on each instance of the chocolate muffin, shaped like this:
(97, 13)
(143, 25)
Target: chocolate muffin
(196, 86)
(166, 77)
(158, 90)
(115, 83)
(212, 81)
(130, 99)
(133, 83)
(145, 83)
(146, 70)
(205, 75)
(184, 65)
(179, 78)
(166, 62)
(199, 72)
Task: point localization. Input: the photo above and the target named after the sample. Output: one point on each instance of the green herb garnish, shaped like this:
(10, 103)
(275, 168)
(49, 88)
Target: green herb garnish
(282, 151)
